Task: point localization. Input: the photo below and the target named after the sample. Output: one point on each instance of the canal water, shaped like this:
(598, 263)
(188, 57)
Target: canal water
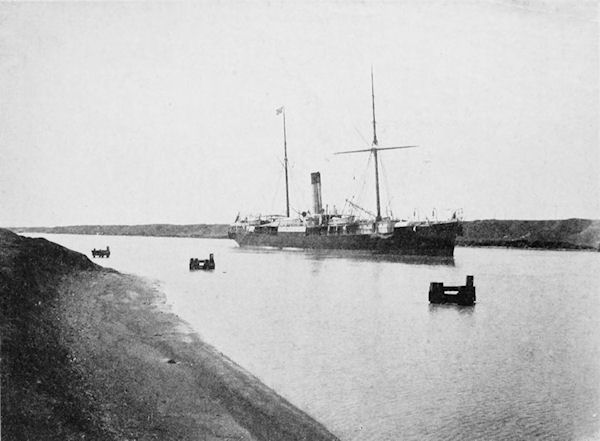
(353, 341)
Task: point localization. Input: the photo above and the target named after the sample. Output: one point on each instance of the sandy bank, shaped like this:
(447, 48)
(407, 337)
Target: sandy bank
(89, 353)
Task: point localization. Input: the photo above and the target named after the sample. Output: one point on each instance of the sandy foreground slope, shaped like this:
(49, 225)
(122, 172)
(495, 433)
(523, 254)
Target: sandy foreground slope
(89, 353)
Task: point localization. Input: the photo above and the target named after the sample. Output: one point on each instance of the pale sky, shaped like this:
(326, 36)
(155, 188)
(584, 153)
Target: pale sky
(130, 113)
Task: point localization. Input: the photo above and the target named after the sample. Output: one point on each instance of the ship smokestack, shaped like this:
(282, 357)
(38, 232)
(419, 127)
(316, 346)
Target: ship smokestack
(315, 180)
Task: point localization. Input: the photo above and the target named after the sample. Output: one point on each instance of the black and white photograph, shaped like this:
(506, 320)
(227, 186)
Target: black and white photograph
(265, 220)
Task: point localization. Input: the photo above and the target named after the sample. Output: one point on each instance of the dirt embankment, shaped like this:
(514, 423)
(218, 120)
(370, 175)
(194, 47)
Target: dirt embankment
(88, 353)
(548, 234)
(207, 231)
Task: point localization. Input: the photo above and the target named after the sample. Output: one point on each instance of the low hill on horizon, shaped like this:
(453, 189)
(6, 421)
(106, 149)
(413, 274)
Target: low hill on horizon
(210, 231)
(549, 234)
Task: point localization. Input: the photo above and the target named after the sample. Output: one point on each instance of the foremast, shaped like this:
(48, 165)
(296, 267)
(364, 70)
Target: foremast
(285, 164)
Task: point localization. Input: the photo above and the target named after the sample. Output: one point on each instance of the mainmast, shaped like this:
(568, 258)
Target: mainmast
(374, 149)
(373, 101)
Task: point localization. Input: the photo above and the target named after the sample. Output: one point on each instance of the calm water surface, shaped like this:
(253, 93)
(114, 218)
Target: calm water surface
(353, 341)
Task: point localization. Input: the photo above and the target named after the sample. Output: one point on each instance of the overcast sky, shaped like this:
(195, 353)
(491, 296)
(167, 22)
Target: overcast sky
(135, 113)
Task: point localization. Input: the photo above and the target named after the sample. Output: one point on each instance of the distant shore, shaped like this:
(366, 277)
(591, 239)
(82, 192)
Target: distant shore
(568, 234)
(89, 353)
(205, 231)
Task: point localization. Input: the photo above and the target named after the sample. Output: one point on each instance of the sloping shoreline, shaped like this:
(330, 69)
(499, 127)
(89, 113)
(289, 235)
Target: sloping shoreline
(90, 353)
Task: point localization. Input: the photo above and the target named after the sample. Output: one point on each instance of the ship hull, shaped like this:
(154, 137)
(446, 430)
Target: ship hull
(426, 240)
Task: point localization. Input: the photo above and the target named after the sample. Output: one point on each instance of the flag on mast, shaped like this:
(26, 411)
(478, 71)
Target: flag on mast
(278, 111)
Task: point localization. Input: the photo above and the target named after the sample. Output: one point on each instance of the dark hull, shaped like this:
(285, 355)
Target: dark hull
(430, 240)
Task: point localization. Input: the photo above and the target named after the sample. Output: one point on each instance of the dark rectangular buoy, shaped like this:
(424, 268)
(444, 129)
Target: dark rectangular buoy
(461, 295)
(198, 264)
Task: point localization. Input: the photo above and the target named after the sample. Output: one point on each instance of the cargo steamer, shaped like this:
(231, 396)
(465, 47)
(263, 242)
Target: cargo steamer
(416, 239)
(323, 230)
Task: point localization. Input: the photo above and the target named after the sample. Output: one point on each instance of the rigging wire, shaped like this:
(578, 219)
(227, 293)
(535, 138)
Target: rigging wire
(386, 187)
(276, 191)
(362, 187)
(361, 136)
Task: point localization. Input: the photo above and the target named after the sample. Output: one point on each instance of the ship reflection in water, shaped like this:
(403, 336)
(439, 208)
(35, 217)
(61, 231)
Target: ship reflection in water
(355, 255)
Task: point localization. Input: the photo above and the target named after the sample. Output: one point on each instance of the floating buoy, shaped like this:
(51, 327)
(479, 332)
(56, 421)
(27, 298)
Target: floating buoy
(101, 253)
(198, 264)
(461, 295)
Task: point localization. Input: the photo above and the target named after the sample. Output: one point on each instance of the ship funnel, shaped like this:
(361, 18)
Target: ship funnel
(315, 180)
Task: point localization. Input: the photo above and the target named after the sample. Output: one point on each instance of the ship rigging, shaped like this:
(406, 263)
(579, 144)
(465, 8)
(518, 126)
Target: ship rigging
(374, 150)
